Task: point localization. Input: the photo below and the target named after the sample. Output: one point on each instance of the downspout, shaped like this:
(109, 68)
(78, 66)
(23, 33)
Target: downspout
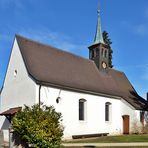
(40, 95)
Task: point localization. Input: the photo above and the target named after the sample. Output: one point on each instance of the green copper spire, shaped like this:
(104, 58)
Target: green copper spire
(98, 36)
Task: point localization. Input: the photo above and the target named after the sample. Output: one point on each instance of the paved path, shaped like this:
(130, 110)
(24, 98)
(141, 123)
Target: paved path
(93, 145)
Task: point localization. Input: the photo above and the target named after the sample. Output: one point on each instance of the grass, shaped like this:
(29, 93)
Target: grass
(113, 139)
(110, 147)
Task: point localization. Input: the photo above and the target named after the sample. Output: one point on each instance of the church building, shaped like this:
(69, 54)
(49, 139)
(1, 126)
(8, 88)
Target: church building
(92, 97)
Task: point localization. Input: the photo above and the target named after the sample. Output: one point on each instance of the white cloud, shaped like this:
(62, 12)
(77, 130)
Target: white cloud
(146, 12)
(125, 24)
(141, 29)
(145, 74)
(56, 39)
(5, 37)
(132, 67)
(7, 3)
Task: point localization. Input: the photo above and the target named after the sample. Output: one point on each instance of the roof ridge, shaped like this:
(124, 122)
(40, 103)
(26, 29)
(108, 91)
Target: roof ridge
(47, 45)
(116, 70)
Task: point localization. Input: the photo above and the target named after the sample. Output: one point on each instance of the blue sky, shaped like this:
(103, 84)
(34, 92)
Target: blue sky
(70, 25)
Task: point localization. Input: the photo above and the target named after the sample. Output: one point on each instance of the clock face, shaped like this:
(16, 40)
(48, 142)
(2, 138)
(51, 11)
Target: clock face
(104, 65)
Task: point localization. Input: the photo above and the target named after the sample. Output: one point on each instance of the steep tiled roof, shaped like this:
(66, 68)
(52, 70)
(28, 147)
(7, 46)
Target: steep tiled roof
(50, 66)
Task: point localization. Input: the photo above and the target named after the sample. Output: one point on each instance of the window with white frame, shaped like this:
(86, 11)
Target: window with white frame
(82, 109)
(107, 111)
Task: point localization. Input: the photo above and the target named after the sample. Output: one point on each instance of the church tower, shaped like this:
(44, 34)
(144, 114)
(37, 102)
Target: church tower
(98, 51)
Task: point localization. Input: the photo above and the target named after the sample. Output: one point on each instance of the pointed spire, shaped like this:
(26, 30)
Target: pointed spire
(98, 36)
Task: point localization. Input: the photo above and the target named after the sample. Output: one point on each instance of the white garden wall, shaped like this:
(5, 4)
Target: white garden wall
(19, 88)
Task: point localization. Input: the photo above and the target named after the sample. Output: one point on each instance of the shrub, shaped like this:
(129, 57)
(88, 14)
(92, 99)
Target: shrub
(145, 129)
(136, 127)
(39, 127)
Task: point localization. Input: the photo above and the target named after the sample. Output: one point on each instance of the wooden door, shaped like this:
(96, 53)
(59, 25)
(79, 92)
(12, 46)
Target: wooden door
(126, 121)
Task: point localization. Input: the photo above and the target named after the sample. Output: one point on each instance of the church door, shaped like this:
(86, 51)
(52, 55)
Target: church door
(126, 120)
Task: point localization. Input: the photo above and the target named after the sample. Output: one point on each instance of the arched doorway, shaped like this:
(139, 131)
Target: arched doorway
(126, 121)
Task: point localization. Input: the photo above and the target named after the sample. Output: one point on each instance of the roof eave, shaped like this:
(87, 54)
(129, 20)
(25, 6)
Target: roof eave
(38, 82)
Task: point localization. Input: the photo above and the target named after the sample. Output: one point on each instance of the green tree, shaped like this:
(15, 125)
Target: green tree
(39, 126)
(108, 42)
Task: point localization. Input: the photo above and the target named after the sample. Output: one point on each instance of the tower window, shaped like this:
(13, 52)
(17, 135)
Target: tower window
(105, 54)
(82, 109)
(90, 54)
(94, 53)
(97, 52)
(102, 50)
(107, 111)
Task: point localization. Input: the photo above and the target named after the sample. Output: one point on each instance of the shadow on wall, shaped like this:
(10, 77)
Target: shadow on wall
(6, 124)
(138, 100)
(1, 139)
(18, 142)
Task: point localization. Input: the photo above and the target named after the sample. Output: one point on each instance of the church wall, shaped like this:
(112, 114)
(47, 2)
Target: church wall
(95, 112)
(127, 109)
(18, 89)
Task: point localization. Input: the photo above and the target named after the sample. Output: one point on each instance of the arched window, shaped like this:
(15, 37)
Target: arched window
(105, 54)
(82, 109)
(102, 50)
(97, 52)
(107, 111)
(94, 53)
(90, 54)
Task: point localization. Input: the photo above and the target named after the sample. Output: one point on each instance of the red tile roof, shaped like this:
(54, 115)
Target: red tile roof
(11, 111)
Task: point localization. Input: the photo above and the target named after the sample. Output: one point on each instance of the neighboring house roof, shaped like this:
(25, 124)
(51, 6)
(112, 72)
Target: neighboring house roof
(11, 111)
(50, 66)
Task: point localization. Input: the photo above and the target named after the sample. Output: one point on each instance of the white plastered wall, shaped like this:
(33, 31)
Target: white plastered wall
(18, 89)
(95, 112)
(127, 109)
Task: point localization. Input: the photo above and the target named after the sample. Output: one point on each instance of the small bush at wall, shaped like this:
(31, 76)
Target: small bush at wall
(137, 127)
(145, 129)
(39, 127)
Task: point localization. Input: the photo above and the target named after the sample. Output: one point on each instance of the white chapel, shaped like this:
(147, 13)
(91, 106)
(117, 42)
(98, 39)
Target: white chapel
(92, 97)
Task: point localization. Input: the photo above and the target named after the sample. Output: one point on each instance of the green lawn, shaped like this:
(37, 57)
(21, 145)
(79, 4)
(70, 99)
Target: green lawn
(113, 139)
(109, 147)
